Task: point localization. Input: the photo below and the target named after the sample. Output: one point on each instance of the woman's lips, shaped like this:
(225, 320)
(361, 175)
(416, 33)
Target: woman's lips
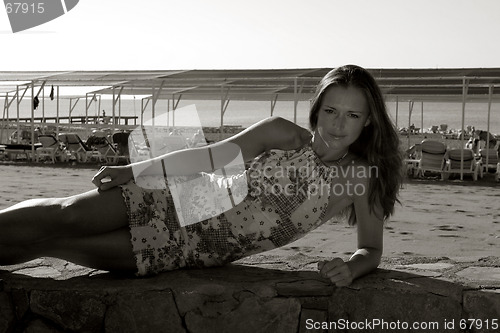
(336, 137)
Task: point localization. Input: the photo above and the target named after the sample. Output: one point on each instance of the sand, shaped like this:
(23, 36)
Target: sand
(454, 219)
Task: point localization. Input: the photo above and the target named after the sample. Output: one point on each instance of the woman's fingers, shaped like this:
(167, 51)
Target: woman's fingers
(337, 271)
(96, 180)
(104, 179)
(107, 183)
(109, 177)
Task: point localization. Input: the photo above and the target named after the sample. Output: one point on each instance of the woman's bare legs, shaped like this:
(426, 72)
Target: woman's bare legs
(89, 229)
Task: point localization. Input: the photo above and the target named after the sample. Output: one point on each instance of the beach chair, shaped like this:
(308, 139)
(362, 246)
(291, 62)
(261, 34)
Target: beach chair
(15, 151)
(78, 149)
(432, 158)
(120, 142)
(469, 164)
(107, 152)
(147, 146)
(434, 129)
(51, 148)
(489, 159)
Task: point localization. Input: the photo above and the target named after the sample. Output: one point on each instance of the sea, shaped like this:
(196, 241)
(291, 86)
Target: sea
(245, 113)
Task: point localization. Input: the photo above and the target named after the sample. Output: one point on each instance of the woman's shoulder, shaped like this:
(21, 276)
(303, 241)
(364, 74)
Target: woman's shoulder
(358, 171)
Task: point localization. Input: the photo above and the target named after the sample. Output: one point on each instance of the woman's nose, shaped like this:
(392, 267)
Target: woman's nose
(339, 122)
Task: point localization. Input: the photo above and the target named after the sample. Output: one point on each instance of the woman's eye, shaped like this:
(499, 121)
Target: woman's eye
(329, 110)
(353, 115)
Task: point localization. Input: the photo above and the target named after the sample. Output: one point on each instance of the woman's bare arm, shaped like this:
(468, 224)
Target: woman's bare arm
(270, 133)
(369, 244)
(370, 227)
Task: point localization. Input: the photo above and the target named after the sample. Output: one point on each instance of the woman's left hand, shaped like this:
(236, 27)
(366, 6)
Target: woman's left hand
(337, 271)
(110, 176)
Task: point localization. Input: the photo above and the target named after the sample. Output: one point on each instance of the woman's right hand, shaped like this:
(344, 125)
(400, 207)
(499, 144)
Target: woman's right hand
(110, 176)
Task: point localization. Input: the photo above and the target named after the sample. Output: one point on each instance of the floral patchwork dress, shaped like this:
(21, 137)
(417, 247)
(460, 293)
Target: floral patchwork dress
(287, 195)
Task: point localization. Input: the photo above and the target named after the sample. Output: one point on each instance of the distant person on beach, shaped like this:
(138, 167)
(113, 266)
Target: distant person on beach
(346, 167)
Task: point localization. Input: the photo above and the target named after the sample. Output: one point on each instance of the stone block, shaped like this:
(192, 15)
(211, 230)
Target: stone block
(38, 326)
(392, 306)
(7, 315)
(21, 302)
(311, 321)
(305, 288)
(153, 311)
(314, 302)
(71, 310)
(277, 315)
(484, 306)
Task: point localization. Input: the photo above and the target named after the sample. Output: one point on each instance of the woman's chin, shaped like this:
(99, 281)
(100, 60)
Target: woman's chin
(336, 144)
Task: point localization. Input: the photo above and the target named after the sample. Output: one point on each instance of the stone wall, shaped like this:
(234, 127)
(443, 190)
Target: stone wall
(242, 298)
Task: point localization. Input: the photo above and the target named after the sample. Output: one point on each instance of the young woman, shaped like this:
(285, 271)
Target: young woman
(349, 166)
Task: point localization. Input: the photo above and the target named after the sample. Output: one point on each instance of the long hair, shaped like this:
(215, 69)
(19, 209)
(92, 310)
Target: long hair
(378, 143)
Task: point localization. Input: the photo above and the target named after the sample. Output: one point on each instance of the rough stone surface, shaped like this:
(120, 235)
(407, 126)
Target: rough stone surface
(392, 305)
(71, 310)
(39, 326)
(7, 316)
(146, 312)
(432, 266)
(481, 273)
(311, 321)
(284, 295)
(482, 305)
(251, 315)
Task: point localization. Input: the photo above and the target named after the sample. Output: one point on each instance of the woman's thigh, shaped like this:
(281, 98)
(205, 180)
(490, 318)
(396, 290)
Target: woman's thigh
(108, 251)
(93, 213)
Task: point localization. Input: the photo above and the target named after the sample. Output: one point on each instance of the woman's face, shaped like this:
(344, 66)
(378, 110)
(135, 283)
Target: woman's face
(342, 115)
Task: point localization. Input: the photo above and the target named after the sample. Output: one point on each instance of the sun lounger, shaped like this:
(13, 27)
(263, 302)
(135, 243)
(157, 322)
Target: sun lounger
(489, 159)
(13, 150)
(51, 148)
(78, 149)
(120, 140)
(432, 157)
(107, 151)
(462, 161)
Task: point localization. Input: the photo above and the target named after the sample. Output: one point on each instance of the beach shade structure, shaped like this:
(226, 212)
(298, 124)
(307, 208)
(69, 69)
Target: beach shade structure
(462, 161)
(51, 148)
(78, 149)
(432, 157)
(489, 159)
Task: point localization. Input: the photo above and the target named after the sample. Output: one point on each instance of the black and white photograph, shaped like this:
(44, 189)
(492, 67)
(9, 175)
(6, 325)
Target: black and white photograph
(275, 166)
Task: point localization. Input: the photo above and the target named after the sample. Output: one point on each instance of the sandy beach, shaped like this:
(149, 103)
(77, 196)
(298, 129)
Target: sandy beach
(454, 219)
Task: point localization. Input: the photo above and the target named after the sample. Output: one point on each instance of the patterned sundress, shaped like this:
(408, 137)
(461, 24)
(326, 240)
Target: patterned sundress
(287, 196)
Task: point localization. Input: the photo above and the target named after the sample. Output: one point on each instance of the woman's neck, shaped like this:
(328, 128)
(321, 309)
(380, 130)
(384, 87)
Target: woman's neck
(328, 155)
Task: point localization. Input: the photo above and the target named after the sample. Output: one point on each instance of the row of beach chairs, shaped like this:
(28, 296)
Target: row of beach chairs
(70, 147)
(433, 156)
(124, 147)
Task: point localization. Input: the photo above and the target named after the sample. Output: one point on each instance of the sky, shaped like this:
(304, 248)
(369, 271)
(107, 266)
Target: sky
(251, 34)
